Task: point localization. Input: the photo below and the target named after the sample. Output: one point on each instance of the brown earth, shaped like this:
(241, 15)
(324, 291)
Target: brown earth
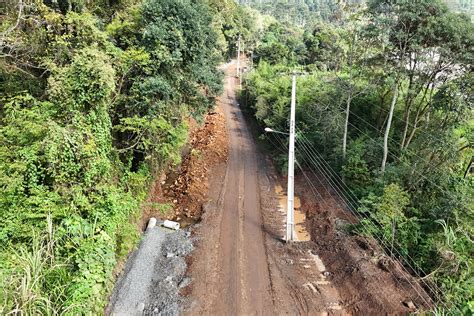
(185, 188)
(368, 281)
(189, 187)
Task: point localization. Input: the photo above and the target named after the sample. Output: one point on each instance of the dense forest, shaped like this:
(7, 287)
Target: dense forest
(386, 102)
(300, 12)
(95, 99)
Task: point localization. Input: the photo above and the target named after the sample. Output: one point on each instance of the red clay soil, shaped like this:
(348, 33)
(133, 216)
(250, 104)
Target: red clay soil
(369, 282)
(189, 187)
(186, 187)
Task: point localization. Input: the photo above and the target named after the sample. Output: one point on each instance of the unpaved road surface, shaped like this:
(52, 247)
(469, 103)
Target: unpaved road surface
(236, 278)
(241, 266)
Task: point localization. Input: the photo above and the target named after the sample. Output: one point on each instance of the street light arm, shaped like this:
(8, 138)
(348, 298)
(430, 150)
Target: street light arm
(269, 130)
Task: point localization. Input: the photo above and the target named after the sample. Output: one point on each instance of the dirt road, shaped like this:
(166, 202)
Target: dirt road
(239, 281)
(241, 266)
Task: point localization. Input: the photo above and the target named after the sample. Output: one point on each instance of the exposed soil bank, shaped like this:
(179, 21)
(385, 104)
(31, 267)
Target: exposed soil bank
(185, 187)
(368, 281)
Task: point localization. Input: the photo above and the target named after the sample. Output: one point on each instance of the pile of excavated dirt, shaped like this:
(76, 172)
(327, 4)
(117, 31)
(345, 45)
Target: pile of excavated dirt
(367, 280)
(186, 187)
(189, 186)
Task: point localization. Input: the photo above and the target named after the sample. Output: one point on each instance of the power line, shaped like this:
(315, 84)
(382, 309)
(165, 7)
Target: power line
(348, 192)
(390, 153)
(360, 219)
(393, 155)
(407, 122)
(403, 162)
(275, 145)
(352, 195)
(352, 201)
(349, 199)
(391, 138)
(313, 188)
(366, 228)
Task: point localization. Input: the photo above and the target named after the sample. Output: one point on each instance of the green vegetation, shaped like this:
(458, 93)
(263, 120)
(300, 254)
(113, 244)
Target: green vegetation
(95, 97)
(388, 104)
(94, 102)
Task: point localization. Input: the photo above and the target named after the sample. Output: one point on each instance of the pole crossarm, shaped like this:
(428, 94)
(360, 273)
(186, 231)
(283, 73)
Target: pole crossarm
(293, 73)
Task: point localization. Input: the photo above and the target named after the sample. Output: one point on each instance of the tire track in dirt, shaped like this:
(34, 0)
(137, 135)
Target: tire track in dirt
(240, 283)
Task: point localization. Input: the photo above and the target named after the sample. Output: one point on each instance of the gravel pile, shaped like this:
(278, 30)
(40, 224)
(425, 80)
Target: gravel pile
(177, 244)
(169, 275)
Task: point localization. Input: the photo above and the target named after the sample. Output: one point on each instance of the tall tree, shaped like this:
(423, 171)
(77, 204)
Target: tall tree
(425, 45)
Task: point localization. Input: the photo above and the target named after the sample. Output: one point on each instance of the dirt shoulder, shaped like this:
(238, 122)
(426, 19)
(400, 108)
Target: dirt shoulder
(368, 281)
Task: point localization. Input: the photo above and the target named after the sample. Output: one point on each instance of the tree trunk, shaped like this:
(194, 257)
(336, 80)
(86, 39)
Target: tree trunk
(380, 122)
(415, 126)
(389, 124)
(405, 129)
(406, 115)
(344, 140)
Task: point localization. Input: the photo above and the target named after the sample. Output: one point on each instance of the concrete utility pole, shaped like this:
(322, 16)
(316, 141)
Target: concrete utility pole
(290, 209)
(290, 215)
